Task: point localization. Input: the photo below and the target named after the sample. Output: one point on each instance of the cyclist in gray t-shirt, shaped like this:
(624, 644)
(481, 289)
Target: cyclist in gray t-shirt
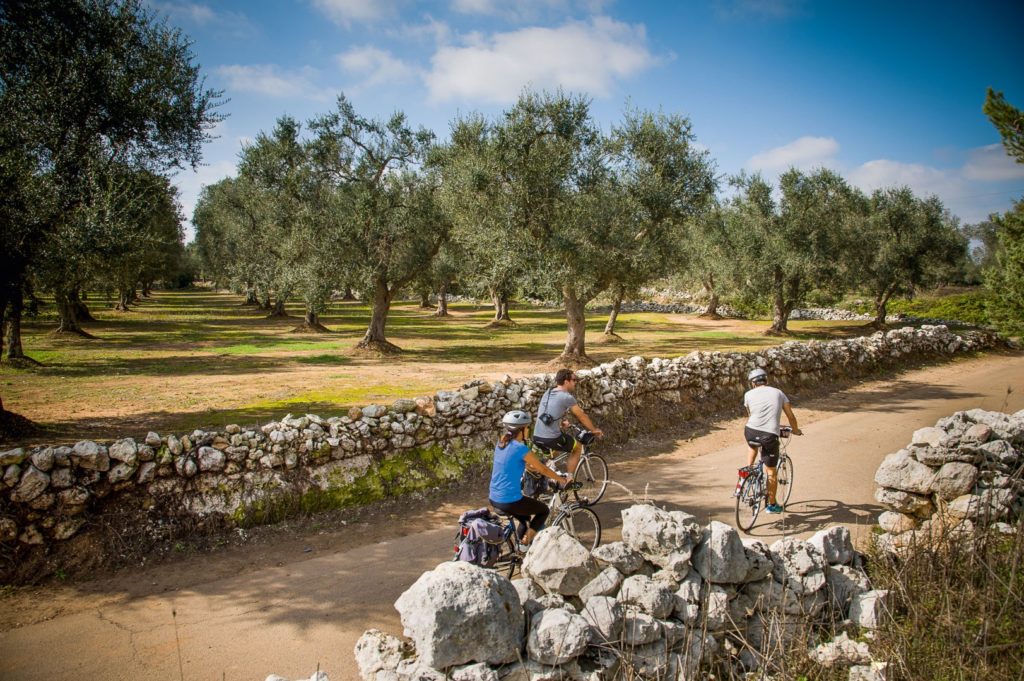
(766, 405)
(551, 412)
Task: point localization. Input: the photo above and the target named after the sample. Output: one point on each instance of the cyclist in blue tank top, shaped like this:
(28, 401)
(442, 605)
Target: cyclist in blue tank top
(512, 457)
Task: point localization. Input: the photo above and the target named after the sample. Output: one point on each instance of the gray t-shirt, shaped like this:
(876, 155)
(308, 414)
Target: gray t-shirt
(556, 403)
(765, 406)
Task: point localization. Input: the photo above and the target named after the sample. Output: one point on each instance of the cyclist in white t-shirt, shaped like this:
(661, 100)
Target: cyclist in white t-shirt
(765, 406)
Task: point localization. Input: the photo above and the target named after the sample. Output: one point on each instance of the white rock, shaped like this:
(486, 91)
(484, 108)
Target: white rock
(605, 584)
(905, 502)
(558, 563)
(378, 655)
(557, 636)
(876, 671)
(605, 615)
(835, 544)
(868, 608)
(841, 652)
(901, 471)
(898, 523)
(620, 556)
(799, 565)
(474, 672)
(954, 479)
(666, 538)
(652, 597)
(459, 613)
(759, 560)
(720, 558)
(639, 628)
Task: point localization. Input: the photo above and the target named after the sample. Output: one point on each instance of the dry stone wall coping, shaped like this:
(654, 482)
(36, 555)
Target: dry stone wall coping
(46, 492)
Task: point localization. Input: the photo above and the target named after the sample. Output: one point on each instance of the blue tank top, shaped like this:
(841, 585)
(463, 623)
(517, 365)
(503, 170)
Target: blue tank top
(507, 472)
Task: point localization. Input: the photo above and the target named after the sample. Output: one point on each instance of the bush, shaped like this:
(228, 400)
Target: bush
(957, 608)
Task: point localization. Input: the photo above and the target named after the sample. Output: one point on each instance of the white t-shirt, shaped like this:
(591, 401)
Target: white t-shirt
(765, 406)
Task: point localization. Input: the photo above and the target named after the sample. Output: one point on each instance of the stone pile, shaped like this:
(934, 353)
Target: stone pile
(47, 493)
(656, 605)
(963, 471)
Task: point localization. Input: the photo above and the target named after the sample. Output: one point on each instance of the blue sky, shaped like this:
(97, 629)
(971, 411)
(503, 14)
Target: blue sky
(885, 93)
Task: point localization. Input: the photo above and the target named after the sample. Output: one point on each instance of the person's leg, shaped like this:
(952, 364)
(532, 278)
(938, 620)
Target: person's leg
(574, 458)
(530, 513)
(752, 456)
(773, 484)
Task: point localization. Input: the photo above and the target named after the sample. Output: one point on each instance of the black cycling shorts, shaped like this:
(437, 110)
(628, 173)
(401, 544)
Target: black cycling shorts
(768, 443)
(563, 443)
(527, 511)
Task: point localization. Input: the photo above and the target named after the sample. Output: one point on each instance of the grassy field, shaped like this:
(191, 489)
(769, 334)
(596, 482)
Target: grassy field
(198, 358)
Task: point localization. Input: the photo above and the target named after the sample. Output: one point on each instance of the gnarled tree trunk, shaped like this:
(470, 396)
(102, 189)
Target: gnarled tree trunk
(881, 305)
(67, 314)
(574, 355)
(613, 316)
(442, 301)
(82, 312)
(348, 294)
(425, 300)
(311, 323)
(250, 297)
(780, 308)
(12, 326)
(709, 286)
(124, 299)
(278, 310)
(501, 315)
(374, 340)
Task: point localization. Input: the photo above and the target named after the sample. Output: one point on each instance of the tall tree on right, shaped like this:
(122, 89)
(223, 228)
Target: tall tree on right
(1006, 277)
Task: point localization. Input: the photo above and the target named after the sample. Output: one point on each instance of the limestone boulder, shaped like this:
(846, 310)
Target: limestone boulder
(557, 636)
(902, 471)
(843, 583)
(558, 563)
(835, 544)
(647, 595)
(33, 483)
(639, 628)
(799, 565)
(898, 523)
(905, 502)
(459, 613)
(868, 608)
(841, 652)
(954, 479)
(606, 583)
(759, 560)
(605, 616)
(378, 655)
(720, 557)
(620, 556)
(665, 538)
(90, 456)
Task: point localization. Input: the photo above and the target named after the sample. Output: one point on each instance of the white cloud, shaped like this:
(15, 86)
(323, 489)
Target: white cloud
(585, 57)
(271, 80)
(803, 153)
(347, 12)
(231, 23)
(527, 10)
(374, 66)
(992, 164)
(924, 180)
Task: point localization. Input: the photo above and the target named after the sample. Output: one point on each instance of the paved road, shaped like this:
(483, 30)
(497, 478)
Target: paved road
(309, 611)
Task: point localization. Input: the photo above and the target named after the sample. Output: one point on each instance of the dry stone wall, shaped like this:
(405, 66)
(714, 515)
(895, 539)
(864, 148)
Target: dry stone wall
(48, 494)
(669, 600)
(964, 471)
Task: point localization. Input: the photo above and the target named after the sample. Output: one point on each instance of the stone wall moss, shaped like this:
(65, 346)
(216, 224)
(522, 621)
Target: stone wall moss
(395, 475)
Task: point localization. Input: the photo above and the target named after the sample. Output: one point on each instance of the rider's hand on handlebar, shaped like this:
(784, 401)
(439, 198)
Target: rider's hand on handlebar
(598, 432)
(797, 431)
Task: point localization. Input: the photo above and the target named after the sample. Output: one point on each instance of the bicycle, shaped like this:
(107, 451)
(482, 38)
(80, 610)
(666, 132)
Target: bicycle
(592, 470)
(752, 485)
(573, 516)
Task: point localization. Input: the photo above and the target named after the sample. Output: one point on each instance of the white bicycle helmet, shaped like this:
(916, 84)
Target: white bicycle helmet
(758, 375)
(516, 419)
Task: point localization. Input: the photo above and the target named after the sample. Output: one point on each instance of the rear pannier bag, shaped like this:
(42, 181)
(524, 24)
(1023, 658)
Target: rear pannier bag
(480, 537)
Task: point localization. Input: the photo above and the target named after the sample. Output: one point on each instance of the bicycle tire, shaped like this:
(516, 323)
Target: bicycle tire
(748, 504)
(583, 524)
(592, 473)
(784, 477)
(508, 560)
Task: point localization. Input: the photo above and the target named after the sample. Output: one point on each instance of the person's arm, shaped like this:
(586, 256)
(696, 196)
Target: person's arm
(791, 417)
(585, 420)
(537, 466)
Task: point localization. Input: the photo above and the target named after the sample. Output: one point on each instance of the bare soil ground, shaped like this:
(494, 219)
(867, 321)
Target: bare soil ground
(294, 597)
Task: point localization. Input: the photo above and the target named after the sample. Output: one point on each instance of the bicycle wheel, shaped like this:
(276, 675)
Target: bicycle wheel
(509, 559)
(748, 503)
(592, 473)
(583, 524)
(784, 476)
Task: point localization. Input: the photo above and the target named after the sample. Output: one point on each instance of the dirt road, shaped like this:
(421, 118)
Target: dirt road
(230, 618)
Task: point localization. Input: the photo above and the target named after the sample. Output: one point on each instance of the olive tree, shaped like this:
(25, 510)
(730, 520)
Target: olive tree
(387, 217)
(787, 247)
(665, 182)
(904, 243)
